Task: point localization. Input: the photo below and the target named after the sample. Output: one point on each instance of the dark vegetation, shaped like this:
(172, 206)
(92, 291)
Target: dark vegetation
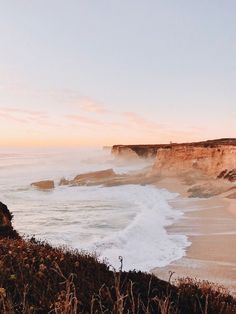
(228, 174)
(38, 278)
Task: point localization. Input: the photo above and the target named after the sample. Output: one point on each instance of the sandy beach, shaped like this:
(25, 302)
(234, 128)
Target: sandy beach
(210, 225)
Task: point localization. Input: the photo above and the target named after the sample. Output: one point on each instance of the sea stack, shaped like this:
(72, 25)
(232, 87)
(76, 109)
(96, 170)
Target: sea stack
(44, 185)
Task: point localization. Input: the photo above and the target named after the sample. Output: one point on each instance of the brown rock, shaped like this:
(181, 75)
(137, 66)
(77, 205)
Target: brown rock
(90, 178)
(93, 178)
(150, 150)
(44, 185)
(217, 161)
(213, 158)
(230, 175)
(64, 181)
(209, 189)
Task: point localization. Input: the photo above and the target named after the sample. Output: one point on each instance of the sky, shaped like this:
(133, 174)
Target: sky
(107, 72)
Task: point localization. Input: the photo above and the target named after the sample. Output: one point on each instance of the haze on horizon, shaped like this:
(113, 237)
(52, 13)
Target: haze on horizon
(110, 72)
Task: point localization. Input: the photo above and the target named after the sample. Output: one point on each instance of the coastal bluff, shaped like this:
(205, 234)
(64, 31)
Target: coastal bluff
(214, 158)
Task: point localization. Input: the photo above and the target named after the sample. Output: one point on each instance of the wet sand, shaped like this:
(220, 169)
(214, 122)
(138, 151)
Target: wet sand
(210, 225)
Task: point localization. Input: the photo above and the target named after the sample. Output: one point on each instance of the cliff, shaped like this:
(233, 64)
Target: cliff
(143, 151)
(150, 150)
(218, 161)
(214, 158)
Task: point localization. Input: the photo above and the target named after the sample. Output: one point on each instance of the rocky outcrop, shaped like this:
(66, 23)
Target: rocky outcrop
(64, 181)
(143, 151)
(214, 158)
(109, 178)
(228, 174)
(150, 150)
(218, 161)
(6, 229)
(90, 178)
(208, 189)
(44, 185)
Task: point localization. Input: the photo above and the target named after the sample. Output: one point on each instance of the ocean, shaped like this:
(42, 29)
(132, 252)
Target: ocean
(128, 221)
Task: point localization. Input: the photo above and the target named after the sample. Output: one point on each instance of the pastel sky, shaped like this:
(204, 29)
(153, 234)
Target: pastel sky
(103, 72)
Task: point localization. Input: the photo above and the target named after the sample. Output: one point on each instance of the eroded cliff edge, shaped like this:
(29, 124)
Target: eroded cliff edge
(213, 158)
(205, 168)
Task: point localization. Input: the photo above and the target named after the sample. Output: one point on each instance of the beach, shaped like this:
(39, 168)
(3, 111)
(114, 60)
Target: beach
(210, 225)
(194, 237)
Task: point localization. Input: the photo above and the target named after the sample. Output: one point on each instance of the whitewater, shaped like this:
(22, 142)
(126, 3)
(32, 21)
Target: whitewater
(128, 221)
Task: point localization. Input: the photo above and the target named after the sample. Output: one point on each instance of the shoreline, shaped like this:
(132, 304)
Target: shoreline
(210, 225)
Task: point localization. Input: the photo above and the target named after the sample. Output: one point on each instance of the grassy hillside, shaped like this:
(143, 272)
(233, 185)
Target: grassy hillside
(37, 278)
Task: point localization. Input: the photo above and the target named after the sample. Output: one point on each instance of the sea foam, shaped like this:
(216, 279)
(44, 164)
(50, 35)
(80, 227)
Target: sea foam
(128, 221)
(144, 243)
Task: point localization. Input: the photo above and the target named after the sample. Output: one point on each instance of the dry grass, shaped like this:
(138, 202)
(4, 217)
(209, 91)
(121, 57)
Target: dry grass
(37, 278)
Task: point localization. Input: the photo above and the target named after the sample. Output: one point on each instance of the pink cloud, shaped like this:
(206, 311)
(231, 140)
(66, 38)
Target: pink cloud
(7, 116)
(26, 116)
(84, 120)
(138, 120)
(90, 105)
(25, 112)
(76, 100)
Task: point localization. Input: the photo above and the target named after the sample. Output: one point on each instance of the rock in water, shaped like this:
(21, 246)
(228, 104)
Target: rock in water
(6, 229)
(64, 181)
(93, 178)
(44, 185)
(90, 178)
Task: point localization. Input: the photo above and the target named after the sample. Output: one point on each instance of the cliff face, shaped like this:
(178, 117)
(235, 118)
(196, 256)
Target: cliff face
(215, 158)
(143, 151)
(150, 150)
(219, 161)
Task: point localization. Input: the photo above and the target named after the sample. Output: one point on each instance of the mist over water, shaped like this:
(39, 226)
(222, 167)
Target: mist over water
(127, 221)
